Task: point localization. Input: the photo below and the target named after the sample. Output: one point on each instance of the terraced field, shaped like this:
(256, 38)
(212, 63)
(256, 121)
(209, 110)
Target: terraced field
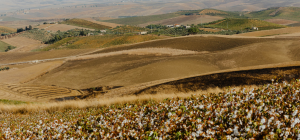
(32, 93)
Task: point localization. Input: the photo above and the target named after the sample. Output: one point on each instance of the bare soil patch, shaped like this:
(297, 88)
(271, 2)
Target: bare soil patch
(281, 21)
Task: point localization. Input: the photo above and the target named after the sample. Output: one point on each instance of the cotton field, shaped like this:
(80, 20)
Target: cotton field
(270, 112)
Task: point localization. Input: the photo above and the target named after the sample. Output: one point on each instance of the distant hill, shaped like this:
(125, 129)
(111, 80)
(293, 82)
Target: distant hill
(211, 12)
(238, 24)
(142, 19)
(289, 13)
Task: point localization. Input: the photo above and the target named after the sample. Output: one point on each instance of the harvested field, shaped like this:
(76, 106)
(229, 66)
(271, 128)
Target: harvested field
(15, 57)
(28, 73)
(23, 44)
(282, 21)
(61, 27)
(137, 69)
(113, 25)
(194, 43)
(290, 30)
(185, 20)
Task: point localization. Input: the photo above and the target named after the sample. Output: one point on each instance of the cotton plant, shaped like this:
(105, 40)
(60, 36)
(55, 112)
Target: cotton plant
(270, 112)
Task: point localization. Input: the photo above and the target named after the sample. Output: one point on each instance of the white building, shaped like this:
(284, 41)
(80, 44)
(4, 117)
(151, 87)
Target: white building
(103, 31)
(143, 33)
(254, 28)
(187, 27)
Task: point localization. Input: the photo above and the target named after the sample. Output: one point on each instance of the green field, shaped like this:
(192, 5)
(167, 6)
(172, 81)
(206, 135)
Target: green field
(244, 24)
(3, 46)
(142, 19)
(289, 13)
(85, 23)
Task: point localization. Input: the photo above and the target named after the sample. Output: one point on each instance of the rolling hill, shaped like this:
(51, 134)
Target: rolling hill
(142, 19)
(243, 24)
(288, 13)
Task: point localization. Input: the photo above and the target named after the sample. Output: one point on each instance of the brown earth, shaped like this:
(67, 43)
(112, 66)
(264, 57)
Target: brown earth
(185, 20)
(281, 21)
(143, 65)
(23, 44)
(274, 32)
(126, 70)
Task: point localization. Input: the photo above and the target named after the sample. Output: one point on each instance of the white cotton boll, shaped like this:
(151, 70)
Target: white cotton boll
(295, 112)
(228, 137)
(150, 133)
(263, 120)
(262, 128)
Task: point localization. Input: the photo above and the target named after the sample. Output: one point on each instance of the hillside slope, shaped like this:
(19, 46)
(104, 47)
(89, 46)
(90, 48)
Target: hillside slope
(128, 69)
(289, 13)
(238, 24)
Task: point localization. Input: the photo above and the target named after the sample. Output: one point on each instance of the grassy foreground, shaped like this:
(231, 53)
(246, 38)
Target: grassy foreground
(270, 112)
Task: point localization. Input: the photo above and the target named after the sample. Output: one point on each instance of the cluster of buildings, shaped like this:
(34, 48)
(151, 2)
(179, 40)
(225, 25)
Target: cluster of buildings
(177, 25)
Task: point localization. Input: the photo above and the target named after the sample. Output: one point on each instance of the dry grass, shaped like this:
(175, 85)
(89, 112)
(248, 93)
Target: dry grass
(83, 104)
(4, 30)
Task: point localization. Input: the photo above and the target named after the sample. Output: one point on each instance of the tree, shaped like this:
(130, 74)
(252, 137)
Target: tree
(30, 27)
(193, 30)
(26, 28)
(20, 30)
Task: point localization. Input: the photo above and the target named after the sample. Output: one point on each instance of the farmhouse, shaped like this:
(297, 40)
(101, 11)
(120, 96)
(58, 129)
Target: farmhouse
(143, 33)
(177, 25)
(187, 27)
(254, 28)
(103, 31)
